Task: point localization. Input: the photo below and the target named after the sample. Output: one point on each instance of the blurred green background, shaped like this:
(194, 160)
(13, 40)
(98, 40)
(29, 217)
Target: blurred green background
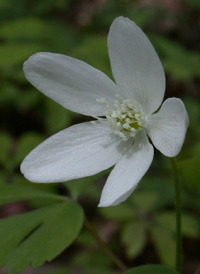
(142, 229)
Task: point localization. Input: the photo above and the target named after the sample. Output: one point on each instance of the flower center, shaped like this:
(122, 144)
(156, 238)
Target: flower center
(124, 117)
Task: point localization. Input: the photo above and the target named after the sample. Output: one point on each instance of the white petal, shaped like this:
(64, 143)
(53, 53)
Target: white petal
(135, 64)
(167, 127)
(78, 151)
(70, 82)
(128, 172)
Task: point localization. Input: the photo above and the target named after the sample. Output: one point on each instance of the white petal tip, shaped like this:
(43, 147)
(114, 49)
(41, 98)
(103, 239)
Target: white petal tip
(114, 202)
(122, 19)
(101, 204)
(30, 174)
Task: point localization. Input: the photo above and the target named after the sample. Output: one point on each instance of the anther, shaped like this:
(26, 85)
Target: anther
(124, 117)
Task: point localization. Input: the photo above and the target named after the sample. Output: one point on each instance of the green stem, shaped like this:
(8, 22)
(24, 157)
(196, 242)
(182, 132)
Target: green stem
(177, 186)
(102, 244)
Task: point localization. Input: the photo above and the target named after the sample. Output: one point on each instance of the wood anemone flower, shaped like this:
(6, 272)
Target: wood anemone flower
(126, 115)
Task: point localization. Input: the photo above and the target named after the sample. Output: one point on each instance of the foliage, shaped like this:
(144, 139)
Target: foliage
(50, 216)
(38, 236)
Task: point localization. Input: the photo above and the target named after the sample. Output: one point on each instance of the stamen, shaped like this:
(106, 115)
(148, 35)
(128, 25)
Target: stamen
(124, 117)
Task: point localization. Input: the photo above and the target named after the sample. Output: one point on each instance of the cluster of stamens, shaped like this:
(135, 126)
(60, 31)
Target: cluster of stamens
(125, 118)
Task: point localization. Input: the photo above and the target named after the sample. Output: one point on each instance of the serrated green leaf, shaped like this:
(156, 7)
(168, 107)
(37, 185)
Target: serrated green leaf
(11, 193)
(165, 245)
(151, 269)
(133, 236)
(38, 236)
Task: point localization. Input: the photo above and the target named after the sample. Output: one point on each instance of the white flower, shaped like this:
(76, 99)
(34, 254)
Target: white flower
(125, 114)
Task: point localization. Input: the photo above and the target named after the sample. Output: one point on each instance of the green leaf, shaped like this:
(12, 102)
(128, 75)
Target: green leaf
(134, 238)
(120, 212)
(11, 193)
(151, 269)
(165, 245)
(190, 224)
(162, 187)
(38, 236)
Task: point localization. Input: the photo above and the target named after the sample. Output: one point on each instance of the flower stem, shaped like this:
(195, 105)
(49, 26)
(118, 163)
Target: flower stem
(177, 186)
(106, 249)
